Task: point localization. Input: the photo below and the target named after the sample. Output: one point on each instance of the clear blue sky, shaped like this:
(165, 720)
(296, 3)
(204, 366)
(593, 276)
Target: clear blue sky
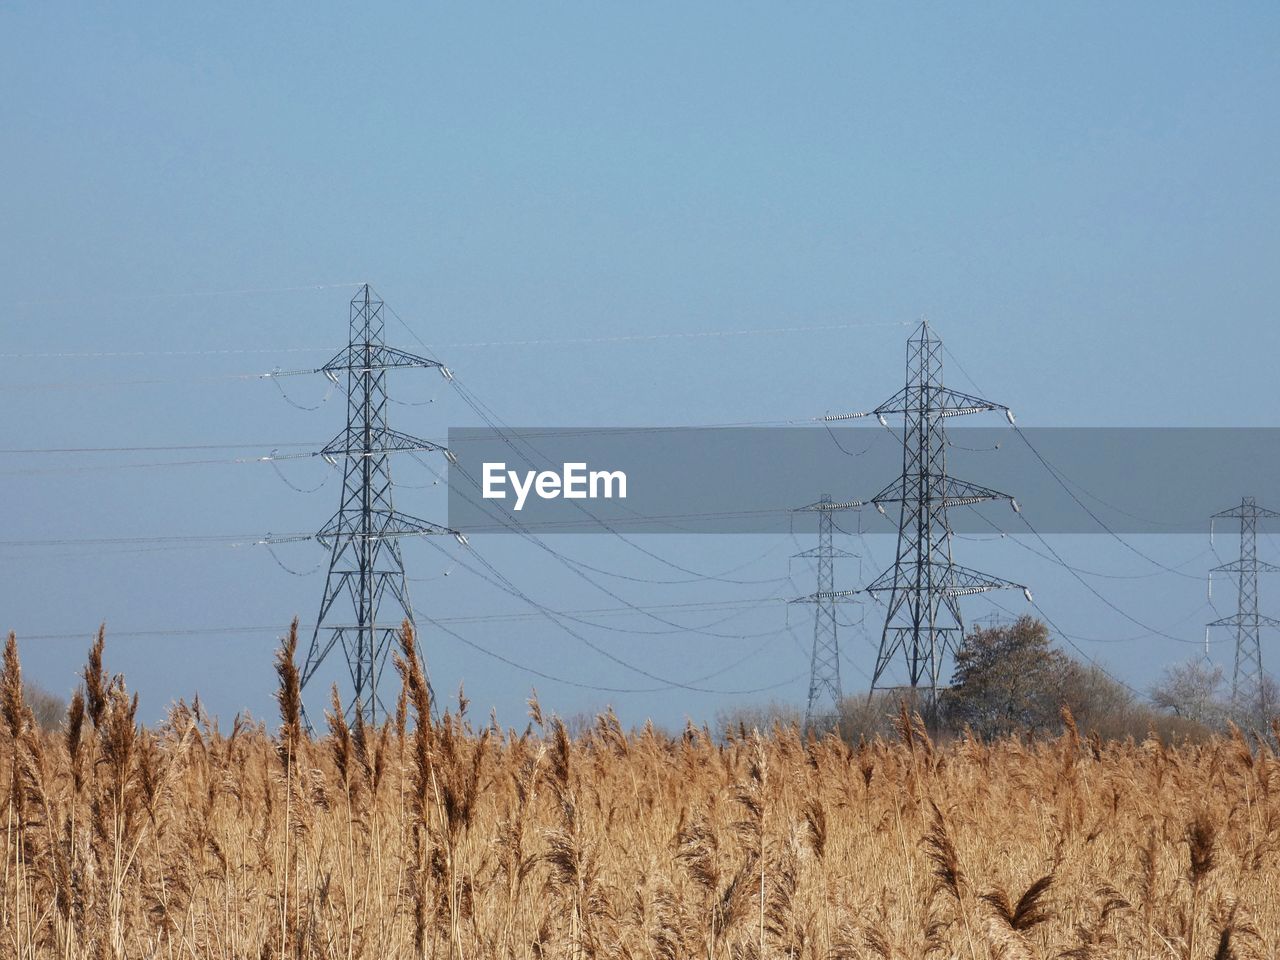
(1083, 198)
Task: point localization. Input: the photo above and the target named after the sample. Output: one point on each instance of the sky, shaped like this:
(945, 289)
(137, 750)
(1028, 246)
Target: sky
(602, 215)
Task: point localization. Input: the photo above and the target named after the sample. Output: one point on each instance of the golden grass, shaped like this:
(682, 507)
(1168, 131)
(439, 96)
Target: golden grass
(442, 840)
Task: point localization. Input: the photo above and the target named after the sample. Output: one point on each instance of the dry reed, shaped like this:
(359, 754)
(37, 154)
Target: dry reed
(425, 837)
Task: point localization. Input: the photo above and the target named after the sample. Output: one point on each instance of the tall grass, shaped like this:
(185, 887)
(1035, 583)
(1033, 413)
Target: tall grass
(431, 838)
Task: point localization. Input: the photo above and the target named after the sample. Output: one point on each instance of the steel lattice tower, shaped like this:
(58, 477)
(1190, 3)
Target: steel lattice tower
(822, 711)
(1248, 686)
(923, 621)
(366, 567)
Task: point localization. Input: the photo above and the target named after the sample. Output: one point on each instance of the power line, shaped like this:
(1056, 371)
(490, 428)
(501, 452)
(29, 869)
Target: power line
(1098, 520)
(156, 448)
(376, 366)
(303, 406)
(644, 609)
(179, 295)
(81, 384)
(504, 583)
(290, 570)
(129, 354)
(680, 335)
(516, 527)
(314, 446)
(152, 465)
(1092, 589)
(551, 616)
(589, 686)
(441, 623)
(293, 486)
(228, 539)
(461, 620)
(512, 523)
(1076, 572)
(492, 422)
(1062, 478)
(541, 341)
(1001, 533)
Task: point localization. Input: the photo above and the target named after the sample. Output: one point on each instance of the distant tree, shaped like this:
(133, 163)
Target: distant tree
(1100, 703)
(762, 717)
(579, 724)
(48, 708)
(1007, 679)
(1011, 679)
(1257, 715)
(867, 717)
(1270, 713)
(1194, 690)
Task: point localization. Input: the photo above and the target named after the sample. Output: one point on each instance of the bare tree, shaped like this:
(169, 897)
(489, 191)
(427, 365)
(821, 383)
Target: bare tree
(1193, 690)
(762, 717)
(48, 708)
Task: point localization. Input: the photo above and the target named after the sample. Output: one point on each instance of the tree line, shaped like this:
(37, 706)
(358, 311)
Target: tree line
(1010, 679)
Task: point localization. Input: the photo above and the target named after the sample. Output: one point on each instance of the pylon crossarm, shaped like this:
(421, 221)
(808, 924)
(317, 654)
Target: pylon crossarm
(1245, 511)
(412, 526)
(389, 526)
(1242, 566)
(818, 552)
(940, 400)
(965, 581)
(1245, 619)
(950, 492)
(395, 357)
(950, 580)
(352, 443)
(950, 402)
(963, 492)
(900, 402)
(360, 358)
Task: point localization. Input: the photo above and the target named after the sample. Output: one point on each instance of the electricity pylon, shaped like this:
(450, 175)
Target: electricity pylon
(822, 712)
(923, 620)
(1248, 682)
(366, 567)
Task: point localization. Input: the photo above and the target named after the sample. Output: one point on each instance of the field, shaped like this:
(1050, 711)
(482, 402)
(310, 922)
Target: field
(456, 839)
